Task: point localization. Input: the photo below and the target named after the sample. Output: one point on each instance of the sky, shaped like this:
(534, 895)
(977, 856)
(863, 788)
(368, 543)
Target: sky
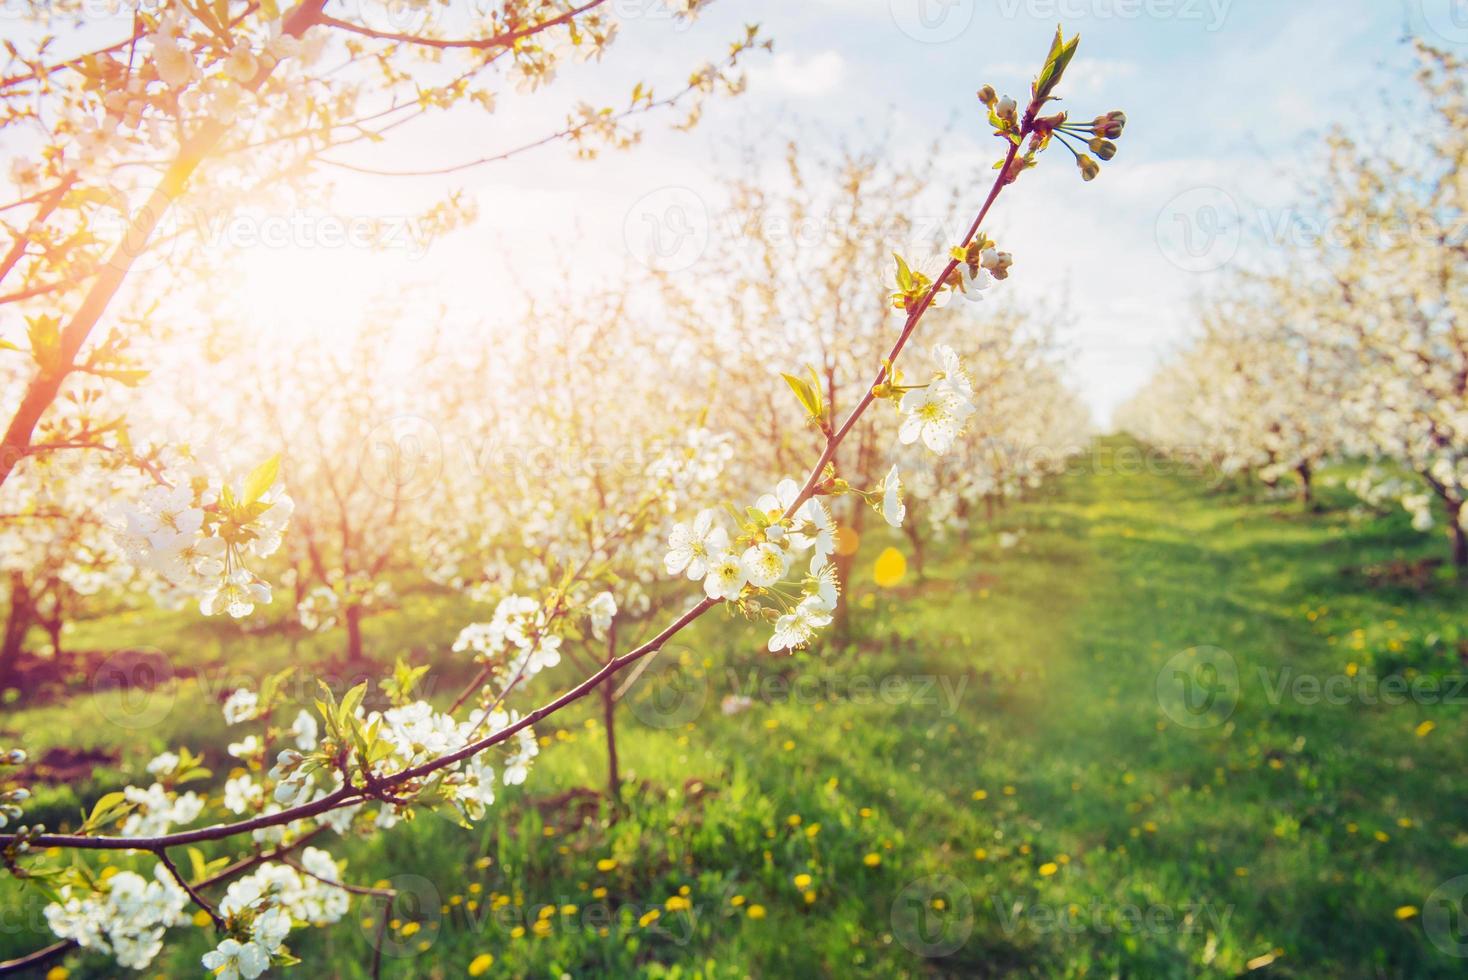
(1227, 101)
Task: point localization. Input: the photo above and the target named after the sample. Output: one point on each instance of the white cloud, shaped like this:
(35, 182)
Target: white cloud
(800, 76)
(1091, 75)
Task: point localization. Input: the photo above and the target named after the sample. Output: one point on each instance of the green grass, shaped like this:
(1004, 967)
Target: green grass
(995, 719)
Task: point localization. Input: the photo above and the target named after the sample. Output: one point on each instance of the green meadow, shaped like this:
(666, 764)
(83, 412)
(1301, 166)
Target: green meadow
(1176, 728)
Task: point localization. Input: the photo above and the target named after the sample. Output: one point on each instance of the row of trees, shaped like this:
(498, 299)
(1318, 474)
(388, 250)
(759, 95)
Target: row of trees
(557, 472)
(1357, 345)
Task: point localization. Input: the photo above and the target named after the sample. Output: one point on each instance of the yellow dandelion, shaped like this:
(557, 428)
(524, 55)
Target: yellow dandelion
(480, 964)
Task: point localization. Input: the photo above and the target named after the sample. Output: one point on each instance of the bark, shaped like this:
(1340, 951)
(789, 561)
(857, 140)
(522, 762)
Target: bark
(353, 619)
(1307, 488)
(1460, 541)
(16, 624)
(915, 538)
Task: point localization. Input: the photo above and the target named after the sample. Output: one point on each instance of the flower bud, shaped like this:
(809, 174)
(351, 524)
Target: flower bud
(1089, 167)
(1006, 109)
(1110, 125)
(1103, 148)
(988, 96)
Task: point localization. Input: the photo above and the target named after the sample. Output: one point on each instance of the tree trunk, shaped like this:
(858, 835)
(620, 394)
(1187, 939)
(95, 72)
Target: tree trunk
(1460, 541)
(353, 619)
(1307, 490)
(16, 624)
(915, 538)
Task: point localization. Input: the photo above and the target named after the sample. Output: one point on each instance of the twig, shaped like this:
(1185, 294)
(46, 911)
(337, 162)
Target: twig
(162, 855)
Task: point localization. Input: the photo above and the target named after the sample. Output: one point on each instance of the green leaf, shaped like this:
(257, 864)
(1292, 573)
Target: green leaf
(350, 701)
(108, 808)
(261, 479)
(106, 802)
(904, 274)
(809, 400)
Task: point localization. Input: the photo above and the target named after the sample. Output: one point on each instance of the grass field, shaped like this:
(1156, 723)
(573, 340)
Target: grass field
(1016, 768)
